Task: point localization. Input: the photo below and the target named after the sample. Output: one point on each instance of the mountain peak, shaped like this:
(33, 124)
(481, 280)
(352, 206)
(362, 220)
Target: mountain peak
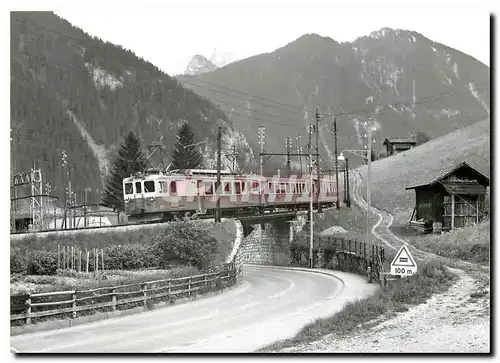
(199, 65)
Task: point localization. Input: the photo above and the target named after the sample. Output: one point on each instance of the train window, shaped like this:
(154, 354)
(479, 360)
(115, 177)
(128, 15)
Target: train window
(237, 186)
(243, 184)
(255, 187)
(163, 187)
(138, 187)
(227, 188)
(129, 188)
(173, 187)
(271, 188)
(149, 186)
(209, 188)
(283, 188)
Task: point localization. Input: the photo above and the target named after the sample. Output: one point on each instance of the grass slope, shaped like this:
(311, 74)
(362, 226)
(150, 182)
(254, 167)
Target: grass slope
(470, 244)
(390, 176)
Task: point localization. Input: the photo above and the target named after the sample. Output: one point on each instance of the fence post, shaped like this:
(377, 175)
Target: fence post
(87, 261)
(102, 258)
(58, 256)
(113, 298)
(144, 296)
(74, 304)
(28, 318)
(169, 287)
(205, 282)
(79, 260)
(189, 286)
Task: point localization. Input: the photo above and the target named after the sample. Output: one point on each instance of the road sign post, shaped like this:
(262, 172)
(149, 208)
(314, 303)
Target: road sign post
(403, 264)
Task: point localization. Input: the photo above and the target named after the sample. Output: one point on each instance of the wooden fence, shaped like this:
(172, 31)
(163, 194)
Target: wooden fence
(33, 308)
(358, 254)
(74, 258)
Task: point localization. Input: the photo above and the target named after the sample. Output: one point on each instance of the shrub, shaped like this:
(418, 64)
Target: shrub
(18, 261)
(186, 242)
(42, 263)
(131, 257)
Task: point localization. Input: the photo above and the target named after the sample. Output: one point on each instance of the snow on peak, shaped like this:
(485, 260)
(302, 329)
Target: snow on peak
(199, 65)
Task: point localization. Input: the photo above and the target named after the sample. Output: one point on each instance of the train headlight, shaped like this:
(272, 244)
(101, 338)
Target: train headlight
(152, 199)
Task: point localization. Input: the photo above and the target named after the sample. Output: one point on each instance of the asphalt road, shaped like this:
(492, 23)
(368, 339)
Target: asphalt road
(269, 305)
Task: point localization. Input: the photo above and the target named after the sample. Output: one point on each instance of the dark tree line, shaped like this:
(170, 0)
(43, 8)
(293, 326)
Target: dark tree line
(54, 69)
(131, 160)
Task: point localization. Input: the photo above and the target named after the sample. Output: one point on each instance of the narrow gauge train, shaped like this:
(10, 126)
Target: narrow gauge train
(156, 196)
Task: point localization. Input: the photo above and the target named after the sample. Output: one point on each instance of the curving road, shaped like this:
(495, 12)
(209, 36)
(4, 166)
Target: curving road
(271, 304)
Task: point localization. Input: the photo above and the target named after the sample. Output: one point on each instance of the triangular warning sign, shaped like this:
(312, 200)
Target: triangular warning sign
(403, 258)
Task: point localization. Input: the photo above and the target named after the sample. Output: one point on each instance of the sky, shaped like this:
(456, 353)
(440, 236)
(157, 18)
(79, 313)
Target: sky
(169, 33)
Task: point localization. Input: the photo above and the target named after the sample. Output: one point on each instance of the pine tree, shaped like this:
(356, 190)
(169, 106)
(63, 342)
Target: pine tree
(184, 156)
(129, 161)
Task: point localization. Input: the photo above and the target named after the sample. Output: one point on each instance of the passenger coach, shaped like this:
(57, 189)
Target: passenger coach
(156, 196)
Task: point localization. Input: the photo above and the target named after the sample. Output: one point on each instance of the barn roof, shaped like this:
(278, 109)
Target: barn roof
(401, 140)
(432, 177)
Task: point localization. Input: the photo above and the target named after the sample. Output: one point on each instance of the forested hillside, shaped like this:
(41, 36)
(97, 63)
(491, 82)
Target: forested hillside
(75, 93)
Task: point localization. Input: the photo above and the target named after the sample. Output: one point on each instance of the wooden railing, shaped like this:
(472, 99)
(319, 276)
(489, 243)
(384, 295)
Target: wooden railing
(30, 307)
(345, 249)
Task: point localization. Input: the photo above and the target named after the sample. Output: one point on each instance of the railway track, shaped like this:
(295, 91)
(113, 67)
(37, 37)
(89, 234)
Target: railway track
(241, 217)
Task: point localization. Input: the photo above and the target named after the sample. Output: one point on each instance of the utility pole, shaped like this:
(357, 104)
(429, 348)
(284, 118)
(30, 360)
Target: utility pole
(317, 161)
(288, 152)
(299, 151)
(336, 161)
(368, 196)
(232, 158)
(217, 187)
(347, 198)
(261, 142)
(311, 232)
(234, 155)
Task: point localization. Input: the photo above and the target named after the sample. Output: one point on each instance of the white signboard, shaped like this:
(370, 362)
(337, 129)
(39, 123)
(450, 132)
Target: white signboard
(403, 264)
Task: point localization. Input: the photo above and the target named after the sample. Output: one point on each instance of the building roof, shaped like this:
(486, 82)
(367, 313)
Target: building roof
(432, 177)
(407, 140)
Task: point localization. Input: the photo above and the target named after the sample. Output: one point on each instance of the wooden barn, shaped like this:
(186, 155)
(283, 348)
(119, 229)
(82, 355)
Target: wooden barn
(448, 199)
(395, 146)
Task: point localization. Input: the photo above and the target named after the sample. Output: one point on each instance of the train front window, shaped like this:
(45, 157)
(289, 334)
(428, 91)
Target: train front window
(149, 186)
(209, 188)
(129, 188)
(138, 187)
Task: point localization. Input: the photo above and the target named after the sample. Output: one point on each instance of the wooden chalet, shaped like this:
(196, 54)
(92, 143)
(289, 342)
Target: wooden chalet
(395, 146)
(448, 199)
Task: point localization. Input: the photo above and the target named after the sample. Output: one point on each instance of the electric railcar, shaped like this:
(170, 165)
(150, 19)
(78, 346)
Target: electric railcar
(155, 196)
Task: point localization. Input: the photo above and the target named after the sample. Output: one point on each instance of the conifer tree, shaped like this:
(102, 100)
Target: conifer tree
(129, 161)
(186, 155)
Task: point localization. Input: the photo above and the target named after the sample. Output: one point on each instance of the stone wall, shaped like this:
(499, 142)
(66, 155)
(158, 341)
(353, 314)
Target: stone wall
(236, 256)
(267, 246)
